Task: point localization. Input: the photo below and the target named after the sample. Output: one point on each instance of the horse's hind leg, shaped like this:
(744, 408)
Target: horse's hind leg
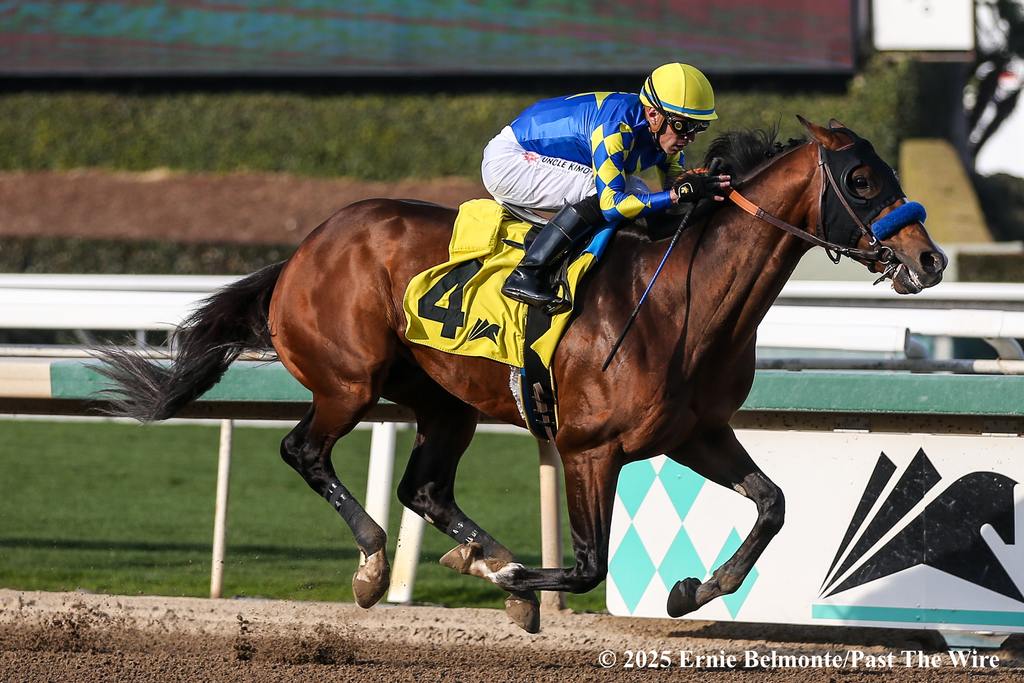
(308, 450)
(445, 426)
(590, 477)
(722, 459)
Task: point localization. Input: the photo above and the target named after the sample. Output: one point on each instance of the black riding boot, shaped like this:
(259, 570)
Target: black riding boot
(528, 282)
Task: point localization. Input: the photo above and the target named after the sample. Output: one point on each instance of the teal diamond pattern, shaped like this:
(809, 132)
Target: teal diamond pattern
(681, 484)
(632, 567)
(635, 481)
(632, 561)
(735, 601)
(681, 561)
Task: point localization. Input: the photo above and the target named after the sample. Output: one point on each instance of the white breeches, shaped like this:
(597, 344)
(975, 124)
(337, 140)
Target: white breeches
(517, 176)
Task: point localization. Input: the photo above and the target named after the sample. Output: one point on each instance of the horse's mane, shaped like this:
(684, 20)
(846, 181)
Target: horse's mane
(744, 151)
(743, 154)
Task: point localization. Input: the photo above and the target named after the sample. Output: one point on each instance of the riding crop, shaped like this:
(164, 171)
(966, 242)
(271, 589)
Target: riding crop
(712, 170)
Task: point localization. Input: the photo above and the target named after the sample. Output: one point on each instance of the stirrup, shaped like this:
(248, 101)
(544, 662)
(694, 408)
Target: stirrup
(559, 305)
(526, 288)
(525, 214)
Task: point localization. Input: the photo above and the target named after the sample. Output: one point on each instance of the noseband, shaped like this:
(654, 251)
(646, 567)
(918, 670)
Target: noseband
(841, 163)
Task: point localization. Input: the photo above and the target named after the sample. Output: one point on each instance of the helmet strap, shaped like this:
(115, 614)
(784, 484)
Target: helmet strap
(656, 101)
(661, 128)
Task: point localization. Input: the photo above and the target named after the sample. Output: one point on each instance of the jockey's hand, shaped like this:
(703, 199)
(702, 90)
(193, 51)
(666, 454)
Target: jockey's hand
(692, 186)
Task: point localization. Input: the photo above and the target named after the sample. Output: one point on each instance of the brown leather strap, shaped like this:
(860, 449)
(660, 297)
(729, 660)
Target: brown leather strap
(757, 212)
(750, 207)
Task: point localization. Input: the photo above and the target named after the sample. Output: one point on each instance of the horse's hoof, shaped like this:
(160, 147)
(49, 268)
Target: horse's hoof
(682, 599)
(371, 580)
(461, 557)
(524, 611)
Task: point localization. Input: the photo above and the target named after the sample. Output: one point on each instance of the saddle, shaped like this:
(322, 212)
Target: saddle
(457, 306)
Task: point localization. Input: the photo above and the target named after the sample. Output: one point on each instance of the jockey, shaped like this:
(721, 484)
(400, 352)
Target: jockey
(578, 155)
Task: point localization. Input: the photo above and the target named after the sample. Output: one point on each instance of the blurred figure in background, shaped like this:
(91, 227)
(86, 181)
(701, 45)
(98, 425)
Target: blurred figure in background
(995, 86)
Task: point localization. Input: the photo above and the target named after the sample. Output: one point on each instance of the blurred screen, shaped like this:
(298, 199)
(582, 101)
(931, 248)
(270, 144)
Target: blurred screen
(412, 37)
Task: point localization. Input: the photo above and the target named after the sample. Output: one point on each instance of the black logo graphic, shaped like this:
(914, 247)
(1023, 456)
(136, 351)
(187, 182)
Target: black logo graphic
(453, 283)
(945, 536)
(484, 328)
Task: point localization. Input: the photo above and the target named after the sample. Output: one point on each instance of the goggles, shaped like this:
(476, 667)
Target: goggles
(687, 126)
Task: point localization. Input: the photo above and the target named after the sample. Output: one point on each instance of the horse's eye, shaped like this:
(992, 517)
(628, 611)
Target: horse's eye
(859, 184)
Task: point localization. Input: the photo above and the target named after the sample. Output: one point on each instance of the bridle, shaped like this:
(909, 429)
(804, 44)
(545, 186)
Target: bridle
(857, 227)
(841, 162)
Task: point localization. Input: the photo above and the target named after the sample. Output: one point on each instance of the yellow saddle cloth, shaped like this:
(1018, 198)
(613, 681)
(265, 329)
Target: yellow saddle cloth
(458, 307)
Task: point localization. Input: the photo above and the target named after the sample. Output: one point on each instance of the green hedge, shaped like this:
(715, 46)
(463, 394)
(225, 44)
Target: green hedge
(371, 136)
(991, 268)
(63, 255)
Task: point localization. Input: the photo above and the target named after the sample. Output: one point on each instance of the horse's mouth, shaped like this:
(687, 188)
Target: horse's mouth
(906, 280)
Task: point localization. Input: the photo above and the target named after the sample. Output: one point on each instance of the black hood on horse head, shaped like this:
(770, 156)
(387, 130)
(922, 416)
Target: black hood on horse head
(742, 151)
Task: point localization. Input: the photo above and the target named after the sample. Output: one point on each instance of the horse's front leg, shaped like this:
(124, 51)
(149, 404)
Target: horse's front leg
(718, 456)
(590, 479)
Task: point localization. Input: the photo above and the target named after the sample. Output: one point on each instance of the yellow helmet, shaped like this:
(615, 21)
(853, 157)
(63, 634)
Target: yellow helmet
(680, 89)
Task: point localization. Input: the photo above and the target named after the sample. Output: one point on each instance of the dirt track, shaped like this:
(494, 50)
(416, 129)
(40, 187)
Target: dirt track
(83, 637)
(178, 207)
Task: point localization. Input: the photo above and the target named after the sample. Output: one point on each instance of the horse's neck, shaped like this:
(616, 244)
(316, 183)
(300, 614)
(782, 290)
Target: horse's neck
(741, 263)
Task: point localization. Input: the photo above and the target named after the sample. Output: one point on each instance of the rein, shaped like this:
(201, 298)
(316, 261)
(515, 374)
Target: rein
(877, 254)
(712, 170)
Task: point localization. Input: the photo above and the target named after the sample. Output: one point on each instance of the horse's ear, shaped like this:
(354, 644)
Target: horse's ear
(836, 123)
(825, 136)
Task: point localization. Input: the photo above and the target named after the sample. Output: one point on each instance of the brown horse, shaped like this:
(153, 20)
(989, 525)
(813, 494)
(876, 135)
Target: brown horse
(333, 312)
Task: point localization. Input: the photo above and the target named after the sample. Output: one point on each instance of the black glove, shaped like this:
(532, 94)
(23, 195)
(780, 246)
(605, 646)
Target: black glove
(692, 186)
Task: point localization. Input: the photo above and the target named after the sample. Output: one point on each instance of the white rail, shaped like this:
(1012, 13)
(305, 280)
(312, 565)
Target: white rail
(846, 316)
(202, 284)
(839, 334)
(93, 309)
(954, 322)
(946, 294)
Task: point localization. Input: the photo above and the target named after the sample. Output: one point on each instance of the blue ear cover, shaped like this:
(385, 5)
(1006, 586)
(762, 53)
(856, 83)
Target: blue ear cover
(897, 219)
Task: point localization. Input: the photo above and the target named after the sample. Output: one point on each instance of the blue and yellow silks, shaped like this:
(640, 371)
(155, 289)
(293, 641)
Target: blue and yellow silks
(458, 307)
(609, 132)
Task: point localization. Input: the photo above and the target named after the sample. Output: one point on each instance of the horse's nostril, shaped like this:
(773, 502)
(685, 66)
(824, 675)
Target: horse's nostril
(932, 262)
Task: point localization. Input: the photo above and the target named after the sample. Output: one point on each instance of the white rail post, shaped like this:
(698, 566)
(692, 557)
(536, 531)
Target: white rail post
(550, 518)
(380, 474)
(943, 347)
(407, 556)
(220, 515)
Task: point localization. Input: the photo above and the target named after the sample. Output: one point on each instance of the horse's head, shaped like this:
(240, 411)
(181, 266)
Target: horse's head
(863, 206)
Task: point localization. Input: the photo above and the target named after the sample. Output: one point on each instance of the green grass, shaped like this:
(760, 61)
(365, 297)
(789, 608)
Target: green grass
(126, 509)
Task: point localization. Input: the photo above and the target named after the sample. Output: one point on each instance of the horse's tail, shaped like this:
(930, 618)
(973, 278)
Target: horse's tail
(204, 345)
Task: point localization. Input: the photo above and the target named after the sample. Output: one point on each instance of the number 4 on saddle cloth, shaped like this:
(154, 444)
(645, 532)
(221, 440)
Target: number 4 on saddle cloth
(457, 306)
